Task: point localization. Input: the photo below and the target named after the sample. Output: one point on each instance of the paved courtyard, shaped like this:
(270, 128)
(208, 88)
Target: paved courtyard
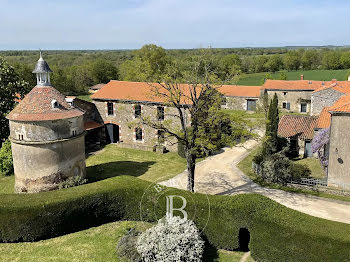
(219, 175)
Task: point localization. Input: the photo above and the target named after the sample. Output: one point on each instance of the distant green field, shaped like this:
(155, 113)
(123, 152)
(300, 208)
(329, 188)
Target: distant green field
(323, 75)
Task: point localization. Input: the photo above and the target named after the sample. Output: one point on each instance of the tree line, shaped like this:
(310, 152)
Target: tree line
(75, 71)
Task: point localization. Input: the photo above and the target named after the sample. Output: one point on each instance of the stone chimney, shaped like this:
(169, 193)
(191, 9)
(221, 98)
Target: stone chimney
(301, 77)
(334, 81)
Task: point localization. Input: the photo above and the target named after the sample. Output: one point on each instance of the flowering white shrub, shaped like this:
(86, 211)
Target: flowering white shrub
(172, 239)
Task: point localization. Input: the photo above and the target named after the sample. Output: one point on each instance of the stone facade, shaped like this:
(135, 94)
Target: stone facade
(323, 98)
(295, 98)
(47, 152)
(240, 103)
(339, 152)
(125, 124)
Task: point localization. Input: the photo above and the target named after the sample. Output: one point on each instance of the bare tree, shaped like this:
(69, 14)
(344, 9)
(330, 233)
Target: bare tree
(192, 97)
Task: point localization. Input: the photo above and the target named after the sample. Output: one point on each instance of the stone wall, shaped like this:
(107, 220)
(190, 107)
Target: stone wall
(46, 130)
(42, 166)
(124, 118)
(239, 103)
(47, 152)
(323, 98)
(339, 152)
(91, 112)
(295, 98)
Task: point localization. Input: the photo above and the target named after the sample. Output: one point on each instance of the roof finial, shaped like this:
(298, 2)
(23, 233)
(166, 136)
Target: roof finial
(41, 57)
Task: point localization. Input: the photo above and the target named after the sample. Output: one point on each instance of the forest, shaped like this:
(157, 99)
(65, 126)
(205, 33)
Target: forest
(74, 71)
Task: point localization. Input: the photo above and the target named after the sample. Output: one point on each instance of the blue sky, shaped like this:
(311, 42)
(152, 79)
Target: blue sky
(129, 24)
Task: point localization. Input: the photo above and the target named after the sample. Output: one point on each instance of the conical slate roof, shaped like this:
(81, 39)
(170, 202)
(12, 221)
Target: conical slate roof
(41, 66)
(37, 105)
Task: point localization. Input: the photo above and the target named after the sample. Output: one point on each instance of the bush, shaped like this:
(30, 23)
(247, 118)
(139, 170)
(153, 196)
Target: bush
(6, 162)
(171, 240)
(277, 232)
(126, 247)
(72, 181)
(299, 171)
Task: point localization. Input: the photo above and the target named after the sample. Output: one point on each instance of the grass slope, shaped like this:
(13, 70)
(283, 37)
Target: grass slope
(150, 166)
(322, 75)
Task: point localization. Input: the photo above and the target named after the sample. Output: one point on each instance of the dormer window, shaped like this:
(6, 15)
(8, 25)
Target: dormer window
(55, 104)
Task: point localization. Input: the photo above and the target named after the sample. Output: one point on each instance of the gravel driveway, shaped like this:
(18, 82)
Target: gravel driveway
(219, 175)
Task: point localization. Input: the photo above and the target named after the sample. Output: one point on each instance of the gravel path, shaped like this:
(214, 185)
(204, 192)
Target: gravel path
(219, 175)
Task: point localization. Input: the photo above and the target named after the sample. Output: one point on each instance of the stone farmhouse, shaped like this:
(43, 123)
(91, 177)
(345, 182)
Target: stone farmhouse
(121, 106)
(330, 108)
(299, 130)
(241, 97)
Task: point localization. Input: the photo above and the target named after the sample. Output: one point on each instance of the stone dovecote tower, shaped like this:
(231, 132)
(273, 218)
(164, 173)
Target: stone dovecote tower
(47, 137)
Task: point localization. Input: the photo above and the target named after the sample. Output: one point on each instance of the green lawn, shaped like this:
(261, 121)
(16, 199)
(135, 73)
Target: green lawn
(244, 114)
(115, 161)
(323, 75)
(150, 166)
(85, 97)
(314, 165)
(93, 244)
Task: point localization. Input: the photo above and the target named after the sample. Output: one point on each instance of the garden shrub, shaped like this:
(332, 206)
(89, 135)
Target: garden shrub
(173, 239)
(126, 247)
(277, 232)
(299, 171)
(72, 181)
(6, 162)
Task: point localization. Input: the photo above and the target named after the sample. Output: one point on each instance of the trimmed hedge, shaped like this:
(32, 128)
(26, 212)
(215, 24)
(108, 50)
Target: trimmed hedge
(277, 233)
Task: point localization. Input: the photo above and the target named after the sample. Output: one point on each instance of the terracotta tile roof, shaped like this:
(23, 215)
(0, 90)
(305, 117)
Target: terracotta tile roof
(340, 86)
(300, 126)
(138, 91)
(36, 106)
(342, 105)
(240, 91)
(88, 125)
(324, 120)
(308, 85)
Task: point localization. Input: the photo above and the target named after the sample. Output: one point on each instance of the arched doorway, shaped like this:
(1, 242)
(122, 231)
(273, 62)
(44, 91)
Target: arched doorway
(112, 133)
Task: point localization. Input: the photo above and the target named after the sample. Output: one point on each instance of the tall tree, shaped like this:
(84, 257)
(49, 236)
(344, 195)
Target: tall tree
(11, 89)
(103, 71)
(197, 103)
(291, 60)
(147, 64)
(271, 144)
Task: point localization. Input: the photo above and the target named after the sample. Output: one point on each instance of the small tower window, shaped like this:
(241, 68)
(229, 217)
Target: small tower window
(55, 104)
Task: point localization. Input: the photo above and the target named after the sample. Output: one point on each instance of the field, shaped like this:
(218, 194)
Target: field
(322, 75)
